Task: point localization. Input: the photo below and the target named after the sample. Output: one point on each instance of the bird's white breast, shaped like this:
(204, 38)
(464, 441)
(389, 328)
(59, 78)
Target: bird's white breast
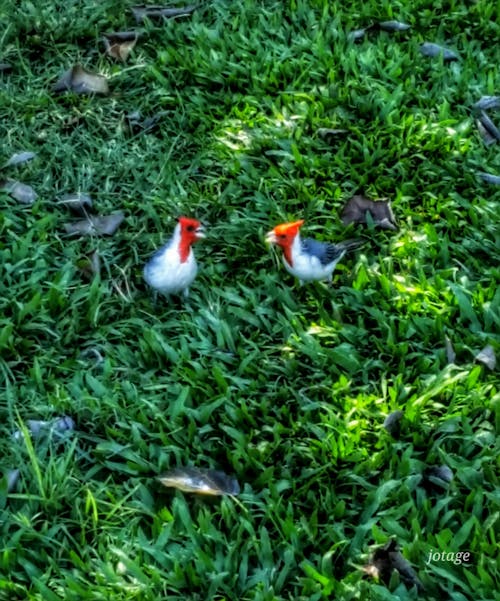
(167, 274)
(308, 267)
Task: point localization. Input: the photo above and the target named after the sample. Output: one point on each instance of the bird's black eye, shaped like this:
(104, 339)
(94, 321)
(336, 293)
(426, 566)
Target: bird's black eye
(190, 228)
(282, 236)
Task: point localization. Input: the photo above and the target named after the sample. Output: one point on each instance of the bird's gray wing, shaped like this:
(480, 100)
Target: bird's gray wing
(324, 251)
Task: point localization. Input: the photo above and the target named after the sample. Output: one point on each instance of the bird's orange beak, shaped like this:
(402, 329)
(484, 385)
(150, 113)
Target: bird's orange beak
(290, 228)
(271, 237)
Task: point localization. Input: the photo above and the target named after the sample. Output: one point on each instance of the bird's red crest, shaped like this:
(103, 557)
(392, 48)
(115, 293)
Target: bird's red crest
(288, 229)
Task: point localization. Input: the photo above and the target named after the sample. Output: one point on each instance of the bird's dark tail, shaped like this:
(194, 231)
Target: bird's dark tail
(352, 244)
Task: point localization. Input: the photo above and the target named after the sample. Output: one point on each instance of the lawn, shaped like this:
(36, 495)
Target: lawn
(221, 115)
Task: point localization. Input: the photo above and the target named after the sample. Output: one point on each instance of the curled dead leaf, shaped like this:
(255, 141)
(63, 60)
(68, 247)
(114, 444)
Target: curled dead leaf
(486, 103)
(140, 124)
(120, 44)
(37, 427)
(392, 26)
(90, 266)
(393, 423)
(106, 225)
(142, 12)
(80, 81)
(487, 357)
(18, 158)
(450, 353)
(489, 126)
(389, 558)
(327, 132)
(487, 138)
(437, 478)
(201, 481)
(356, 209)
(433, 50)
(357, 34)
(78, 202)
(490, 178)
(12, 477)
(19, 191)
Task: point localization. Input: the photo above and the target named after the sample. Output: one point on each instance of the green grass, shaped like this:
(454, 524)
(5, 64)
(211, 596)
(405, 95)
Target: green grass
(285, 387)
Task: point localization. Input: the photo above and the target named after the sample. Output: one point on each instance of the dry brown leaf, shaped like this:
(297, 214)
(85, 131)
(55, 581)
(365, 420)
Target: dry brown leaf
(487, 357)
(138, 124)
(387, 559)
(90, 266)
(489, 126)
(78, 202)
(437, 478)
(142, 12)
(326, 132)
(120, 44)
(38, 427)
(432, 50)
(392, 423)
(201, 481)
(487, 138)
(380, 211)
(450, 353)
(490, 178)
(18, 158)
(12, 477)
(393, 26)
(105, 225)
(19, 191)
(357, 34)
(80, 81)
(486, 103)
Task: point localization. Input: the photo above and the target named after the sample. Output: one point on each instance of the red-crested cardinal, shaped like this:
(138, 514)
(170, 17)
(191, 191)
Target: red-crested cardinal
(172, 268)
(308, 259)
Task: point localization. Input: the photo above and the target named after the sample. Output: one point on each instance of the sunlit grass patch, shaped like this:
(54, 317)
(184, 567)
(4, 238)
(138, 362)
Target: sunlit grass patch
(284, 388)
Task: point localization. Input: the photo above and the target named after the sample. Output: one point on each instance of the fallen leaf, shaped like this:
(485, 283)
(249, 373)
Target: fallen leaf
(393, 422)
(431, 49)
(79, 80)
(392, 26)
(139, 124)
(326, 132)
(437, 478)
(450, 353)
(5, 67)
(93, 353)
(78, 202)
(120, 44)
(37, 427)
(489, 126)
(489, 178)
(357, 34)
(19, 191)
(142, 12)
(106, 225)
(358, 206)
(201, 481)
(19, 158)
(12, 478)
(387, 559)
(488, 139)
(487, 357)
(90, 266)
(486, 103)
